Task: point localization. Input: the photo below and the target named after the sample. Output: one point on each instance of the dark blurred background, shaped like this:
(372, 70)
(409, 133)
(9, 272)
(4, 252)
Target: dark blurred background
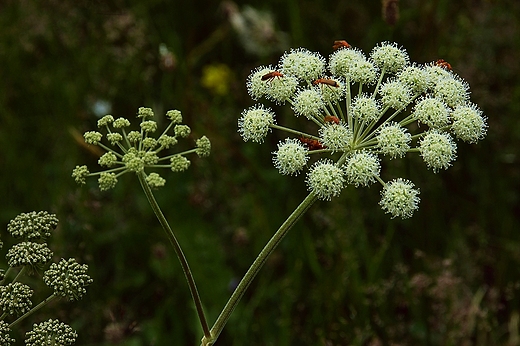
(347, 274)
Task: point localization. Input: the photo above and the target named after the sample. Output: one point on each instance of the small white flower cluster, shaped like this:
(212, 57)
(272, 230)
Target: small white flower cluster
(363, 107)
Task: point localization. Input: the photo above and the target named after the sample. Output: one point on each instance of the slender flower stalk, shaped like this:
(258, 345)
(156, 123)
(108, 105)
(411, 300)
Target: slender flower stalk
(137, 152)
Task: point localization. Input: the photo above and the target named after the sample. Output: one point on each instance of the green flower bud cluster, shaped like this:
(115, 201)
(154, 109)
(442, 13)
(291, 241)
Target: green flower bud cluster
(365, 108)
(137, 151)
(29, 257)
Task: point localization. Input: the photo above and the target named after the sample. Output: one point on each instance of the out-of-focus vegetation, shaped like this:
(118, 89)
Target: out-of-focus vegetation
(347, 274)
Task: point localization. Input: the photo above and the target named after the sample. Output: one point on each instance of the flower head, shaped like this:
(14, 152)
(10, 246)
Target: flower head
(362, 168)
(33, 225)
(399, 198)
(468, 123)
(255, 123)
(438, 150)
(30, 254)
(325, 179)
(15, 298)
(68, 279)
(355, 124)
(302, 63)
(51, 332)
(137, 150)
(291, 156)
(389, 57)
(5, 338)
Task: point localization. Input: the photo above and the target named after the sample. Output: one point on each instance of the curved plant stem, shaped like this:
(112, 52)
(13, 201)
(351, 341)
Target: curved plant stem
(255, 268)
(178, 251)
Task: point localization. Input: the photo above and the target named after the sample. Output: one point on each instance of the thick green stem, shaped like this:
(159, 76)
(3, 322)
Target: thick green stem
(255, 268)
(178, 251)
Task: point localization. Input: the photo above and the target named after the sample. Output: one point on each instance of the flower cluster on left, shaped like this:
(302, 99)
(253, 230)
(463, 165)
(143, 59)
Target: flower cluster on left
(134, 151)
(66, 279)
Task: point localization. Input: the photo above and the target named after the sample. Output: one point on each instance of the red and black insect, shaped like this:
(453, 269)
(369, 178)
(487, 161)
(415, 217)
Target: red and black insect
(340, 44)
(444, 64)
(271, 75)
(331, 119)
(326, 81)
(312, 144)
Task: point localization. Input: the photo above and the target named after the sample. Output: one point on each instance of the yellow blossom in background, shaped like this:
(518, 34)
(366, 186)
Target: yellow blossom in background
(217, 78)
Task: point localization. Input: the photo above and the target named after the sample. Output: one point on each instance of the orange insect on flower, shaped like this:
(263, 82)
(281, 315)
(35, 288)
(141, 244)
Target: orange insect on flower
(340, 44)
(331, 119)
(444, 64)
(326, 81)
(271, 75)
(312, 144)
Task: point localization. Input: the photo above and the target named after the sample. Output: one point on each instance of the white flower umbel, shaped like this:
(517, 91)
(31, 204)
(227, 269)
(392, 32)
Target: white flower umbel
(356, 132)
(364, 109)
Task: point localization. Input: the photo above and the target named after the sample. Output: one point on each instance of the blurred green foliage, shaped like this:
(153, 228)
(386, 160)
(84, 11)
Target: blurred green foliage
(346, 274)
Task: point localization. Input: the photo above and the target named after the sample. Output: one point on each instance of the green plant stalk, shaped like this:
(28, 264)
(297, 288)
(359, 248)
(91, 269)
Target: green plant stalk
(36, 308)
(178, 251)
(255, 268)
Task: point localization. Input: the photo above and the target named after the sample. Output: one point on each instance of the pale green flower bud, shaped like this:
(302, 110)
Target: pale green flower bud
(179, 163)
(393, 140)
(399, 198)
(68, 279)
(291, 157)
(5, 338)
(203, 146)
(303, 64)
(92, 137)
(80, 174)
(254, 123)
(121, 123)
(149, 143)
(336, 136)
(15, 298)
(107, 181)
(362, 168)
(51, 332)
(134, 136)
(389, 57)
(133, 162)
(155, 180)
(182, 131)
(149, 126)
(167, 141)
(468, 123)
(108, 159)
(308, 102)
(29, 254)
(33, 225)
(438, 150)
(105, 121)
(114, 138)
(145, 112)
(175, 116)
(325, 179)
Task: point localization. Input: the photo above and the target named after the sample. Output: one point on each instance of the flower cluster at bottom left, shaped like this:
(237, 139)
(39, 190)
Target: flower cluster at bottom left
(30, 256)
